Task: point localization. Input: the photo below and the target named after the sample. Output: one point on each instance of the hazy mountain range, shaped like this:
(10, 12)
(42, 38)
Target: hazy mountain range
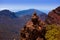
(11, 22)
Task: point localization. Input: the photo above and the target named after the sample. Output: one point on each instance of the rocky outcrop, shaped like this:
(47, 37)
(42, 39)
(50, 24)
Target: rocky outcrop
(33, 29)
(54, 16)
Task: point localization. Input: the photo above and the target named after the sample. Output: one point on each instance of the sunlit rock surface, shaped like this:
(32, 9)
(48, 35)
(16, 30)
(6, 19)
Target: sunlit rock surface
(34, 29)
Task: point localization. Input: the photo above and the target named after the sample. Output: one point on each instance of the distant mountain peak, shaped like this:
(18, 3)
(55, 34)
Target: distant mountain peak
(5, 10)
(29, 12)
(7, 13)
(32, 9)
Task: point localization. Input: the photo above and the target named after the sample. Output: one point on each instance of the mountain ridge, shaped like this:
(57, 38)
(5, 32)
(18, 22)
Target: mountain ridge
(54, 16)
(11, 23)
(29, 12)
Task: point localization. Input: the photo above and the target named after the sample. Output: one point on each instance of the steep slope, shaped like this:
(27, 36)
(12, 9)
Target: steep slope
(54, 16)
(33, 30)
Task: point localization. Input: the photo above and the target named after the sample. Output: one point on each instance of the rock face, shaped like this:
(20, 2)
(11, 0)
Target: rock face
(33, 29)
(54, 16)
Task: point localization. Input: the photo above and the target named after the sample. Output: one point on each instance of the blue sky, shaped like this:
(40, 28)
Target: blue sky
(16, 5)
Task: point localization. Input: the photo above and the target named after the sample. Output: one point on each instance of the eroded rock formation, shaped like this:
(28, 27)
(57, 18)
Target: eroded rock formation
(33, 29)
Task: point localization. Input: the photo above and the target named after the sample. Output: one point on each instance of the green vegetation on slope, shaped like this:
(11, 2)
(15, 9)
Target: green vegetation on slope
(52, 32)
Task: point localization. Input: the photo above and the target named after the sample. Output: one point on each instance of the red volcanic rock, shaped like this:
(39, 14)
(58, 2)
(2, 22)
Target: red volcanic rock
(33, 29)
(54, 16)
